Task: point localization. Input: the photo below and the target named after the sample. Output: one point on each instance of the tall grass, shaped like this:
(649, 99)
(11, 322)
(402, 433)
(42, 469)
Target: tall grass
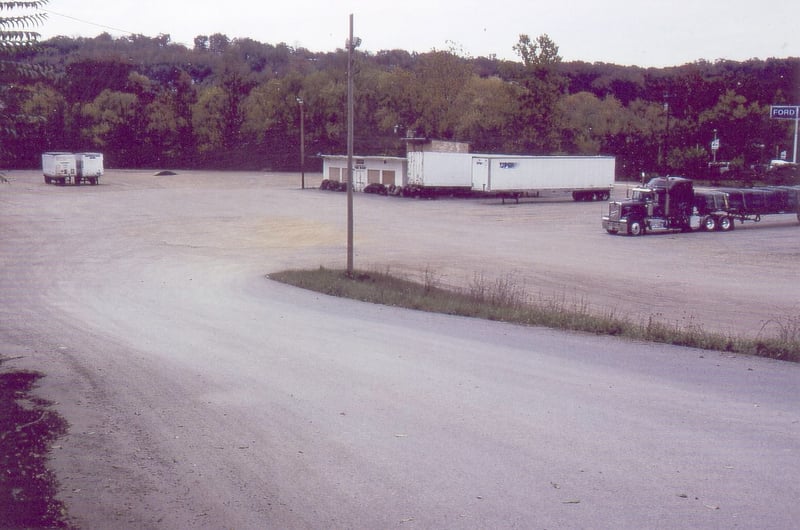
(505, 299)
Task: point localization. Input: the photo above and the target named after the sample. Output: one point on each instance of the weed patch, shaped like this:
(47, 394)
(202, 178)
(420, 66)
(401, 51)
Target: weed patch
(505, 300)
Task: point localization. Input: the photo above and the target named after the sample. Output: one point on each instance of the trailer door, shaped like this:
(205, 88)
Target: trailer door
(415, 168)
(481, 174)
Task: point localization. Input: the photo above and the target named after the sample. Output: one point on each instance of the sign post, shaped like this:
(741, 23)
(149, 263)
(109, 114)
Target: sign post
(715, 145)
(787, 112)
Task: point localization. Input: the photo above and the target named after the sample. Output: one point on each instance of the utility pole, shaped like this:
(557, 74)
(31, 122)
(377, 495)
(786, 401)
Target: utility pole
(302, 145)
(666, 134)
(351, 44)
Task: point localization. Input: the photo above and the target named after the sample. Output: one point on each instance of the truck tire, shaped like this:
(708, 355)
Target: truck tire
(709, 223)
(636, 228)
(725, 224)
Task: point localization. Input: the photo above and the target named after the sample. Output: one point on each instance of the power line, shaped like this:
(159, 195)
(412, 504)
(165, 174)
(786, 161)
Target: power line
(49, 12)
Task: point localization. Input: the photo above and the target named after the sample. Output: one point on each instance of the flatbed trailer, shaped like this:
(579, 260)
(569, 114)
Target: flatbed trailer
(672, 204)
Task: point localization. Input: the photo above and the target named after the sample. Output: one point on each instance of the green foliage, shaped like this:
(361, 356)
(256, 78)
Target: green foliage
(233, 103)
(17, 41)
(542, 52)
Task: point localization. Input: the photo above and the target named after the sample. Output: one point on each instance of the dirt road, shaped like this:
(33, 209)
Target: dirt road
(201, 395)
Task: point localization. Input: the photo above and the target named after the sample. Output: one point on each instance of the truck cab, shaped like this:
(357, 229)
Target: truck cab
(665, 203)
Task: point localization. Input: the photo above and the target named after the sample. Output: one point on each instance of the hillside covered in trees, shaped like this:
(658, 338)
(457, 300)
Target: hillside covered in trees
(234, 104)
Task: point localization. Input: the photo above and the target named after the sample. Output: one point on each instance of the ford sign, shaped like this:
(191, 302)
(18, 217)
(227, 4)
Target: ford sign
(784, 112)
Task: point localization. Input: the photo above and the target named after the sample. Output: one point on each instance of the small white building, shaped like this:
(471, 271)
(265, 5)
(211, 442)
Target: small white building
(386, 170)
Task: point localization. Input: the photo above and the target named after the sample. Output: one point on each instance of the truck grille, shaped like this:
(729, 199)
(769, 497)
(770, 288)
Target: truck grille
(614, 211)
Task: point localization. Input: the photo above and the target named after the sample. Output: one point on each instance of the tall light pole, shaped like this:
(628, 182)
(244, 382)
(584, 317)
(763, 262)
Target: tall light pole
(666, 134)
(351, 45)
(302, 145)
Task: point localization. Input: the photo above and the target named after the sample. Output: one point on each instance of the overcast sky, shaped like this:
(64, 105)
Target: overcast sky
(626, 32)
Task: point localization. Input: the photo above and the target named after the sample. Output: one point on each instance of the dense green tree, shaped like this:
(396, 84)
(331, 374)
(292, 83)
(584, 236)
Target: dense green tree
(439, 77)
(207, 119)
(112, 120)
(233, 103)
(743, 128)
(543, 84)
(487, 110)
(17, 45)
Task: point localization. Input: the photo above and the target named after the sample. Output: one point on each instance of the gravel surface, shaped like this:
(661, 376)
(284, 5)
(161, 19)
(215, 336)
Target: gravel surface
(199, 394)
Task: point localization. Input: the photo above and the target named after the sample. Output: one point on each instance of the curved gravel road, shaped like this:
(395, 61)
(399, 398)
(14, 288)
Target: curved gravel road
(200, 394)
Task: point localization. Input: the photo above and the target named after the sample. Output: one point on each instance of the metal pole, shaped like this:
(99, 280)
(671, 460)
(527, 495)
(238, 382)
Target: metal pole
(796, 120)
(350, 45)
(302, 145)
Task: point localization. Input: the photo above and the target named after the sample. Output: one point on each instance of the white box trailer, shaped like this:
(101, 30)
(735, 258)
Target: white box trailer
(509, 176)
(58, 167)
(72, 168)
(90, 168)
(433, 172)
(586, 177)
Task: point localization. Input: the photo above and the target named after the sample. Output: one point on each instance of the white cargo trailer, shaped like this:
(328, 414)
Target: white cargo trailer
(586, 177)
(58, 167)
(433, 172)
(509, 176)
(72, 168)
(90, 168)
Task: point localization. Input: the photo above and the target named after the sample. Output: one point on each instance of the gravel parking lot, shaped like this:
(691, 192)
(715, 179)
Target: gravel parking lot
(741, 282)
(201, 395)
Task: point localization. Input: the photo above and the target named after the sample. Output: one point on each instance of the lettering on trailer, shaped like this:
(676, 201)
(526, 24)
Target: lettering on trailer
(784, 112)
(507, 165)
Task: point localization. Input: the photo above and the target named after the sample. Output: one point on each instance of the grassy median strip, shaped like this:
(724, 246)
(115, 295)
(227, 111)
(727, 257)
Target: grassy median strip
(506, 301)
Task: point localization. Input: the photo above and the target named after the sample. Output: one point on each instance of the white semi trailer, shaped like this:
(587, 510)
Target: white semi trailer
(72, 168)
(587, 178)
(90, 168)
(433, 173)
(58, 167)
(438, 173)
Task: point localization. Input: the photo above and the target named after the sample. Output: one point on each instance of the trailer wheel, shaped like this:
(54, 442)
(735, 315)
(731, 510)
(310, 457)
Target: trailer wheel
(709, 223)
(725, 224)
(635, 228)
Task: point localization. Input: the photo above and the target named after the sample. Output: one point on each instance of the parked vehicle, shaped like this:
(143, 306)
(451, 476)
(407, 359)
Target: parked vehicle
(376, 188)
(433, 173)
(59, 167)
(672, 204)
(587, 178)
(72, 168)
(89, 168)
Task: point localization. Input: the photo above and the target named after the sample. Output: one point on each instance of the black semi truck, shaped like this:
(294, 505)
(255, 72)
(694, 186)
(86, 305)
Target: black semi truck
(673, 204)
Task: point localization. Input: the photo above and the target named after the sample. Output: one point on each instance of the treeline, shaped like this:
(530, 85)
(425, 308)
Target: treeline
(235, 104)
